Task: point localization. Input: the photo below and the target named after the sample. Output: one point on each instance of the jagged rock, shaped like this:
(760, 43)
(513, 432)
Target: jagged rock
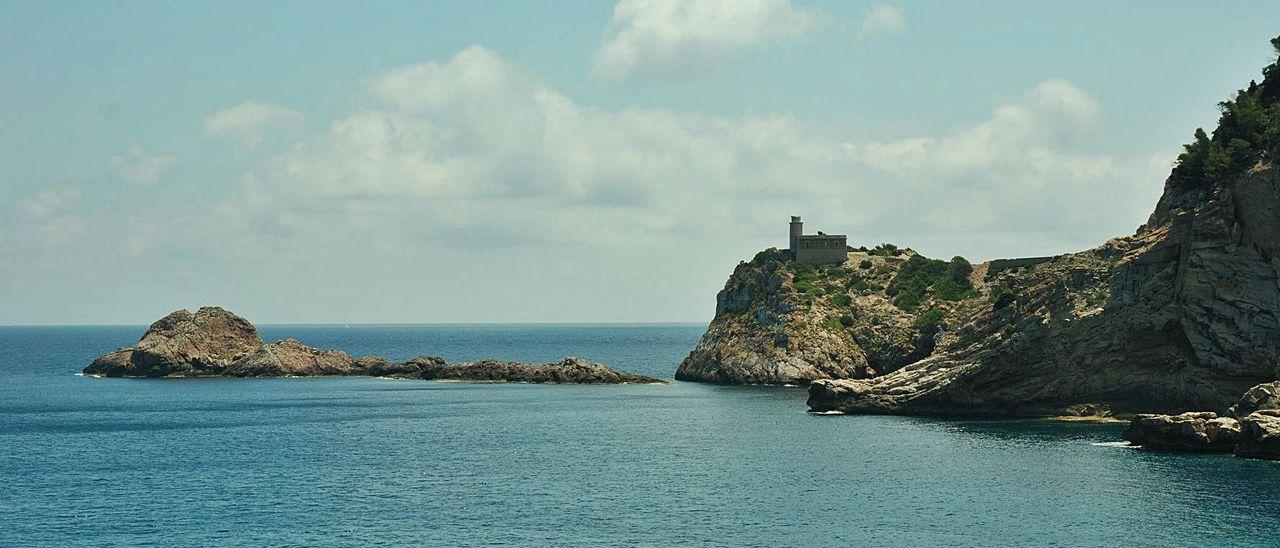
(772, 328)
(1260, 435)
(290, 358)
(568, 370)
(214, 342)
(183, 344)
(1258, 398)
(1197, 431)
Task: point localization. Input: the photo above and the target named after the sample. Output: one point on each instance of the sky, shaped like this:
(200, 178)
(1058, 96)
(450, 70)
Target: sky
(569, 161)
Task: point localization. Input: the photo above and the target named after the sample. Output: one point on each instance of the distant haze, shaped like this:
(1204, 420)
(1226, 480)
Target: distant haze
(568, 161)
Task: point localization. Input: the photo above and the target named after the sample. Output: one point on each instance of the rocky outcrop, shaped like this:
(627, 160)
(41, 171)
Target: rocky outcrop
(1258, 398)
(1200, 432)
(566, 371)
(216, 343)
(780, 322)
(290, 358)
(183, 344)
(1260, 435)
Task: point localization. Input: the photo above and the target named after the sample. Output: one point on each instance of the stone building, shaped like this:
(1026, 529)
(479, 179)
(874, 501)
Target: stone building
(816, 249)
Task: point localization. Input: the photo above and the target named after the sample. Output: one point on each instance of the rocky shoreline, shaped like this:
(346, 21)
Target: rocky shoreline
(213, 342)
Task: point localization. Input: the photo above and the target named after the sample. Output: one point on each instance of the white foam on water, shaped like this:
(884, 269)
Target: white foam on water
(832, 412)
(1121, 444)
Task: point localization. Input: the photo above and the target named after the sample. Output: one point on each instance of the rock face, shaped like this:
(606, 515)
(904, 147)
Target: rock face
(1183, 315)
(216, 343)
(1203, 432)
(183, 344)
(1258, 398)
(780, 322)
(1260, 435)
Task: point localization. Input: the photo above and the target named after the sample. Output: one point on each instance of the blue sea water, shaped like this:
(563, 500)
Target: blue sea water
(307, 462)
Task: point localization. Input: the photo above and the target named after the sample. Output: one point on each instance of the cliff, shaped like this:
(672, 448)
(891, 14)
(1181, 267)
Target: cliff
(1182, 315)
(782, 322)
(213, 342)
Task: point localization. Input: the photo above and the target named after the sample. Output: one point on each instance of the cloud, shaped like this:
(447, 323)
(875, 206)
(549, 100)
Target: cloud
(139, 167)
(474, 151)
(248, 123)
(881, 20)
(682, 36)
(47, 203)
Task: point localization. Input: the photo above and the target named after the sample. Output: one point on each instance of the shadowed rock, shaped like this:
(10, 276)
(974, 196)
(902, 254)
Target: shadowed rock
(1260, 435)
(1200, 432)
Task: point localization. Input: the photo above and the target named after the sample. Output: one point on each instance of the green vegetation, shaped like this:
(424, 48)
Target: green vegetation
(1248, 132)
(1001, 296)
(886, 250)
(842, 300)
(1009, 330)
(918, 276)
(929, 322)
(846, 320)
(864, 264)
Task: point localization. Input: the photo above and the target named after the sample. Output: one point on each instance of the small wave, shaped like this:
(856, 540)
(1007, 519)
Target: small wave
(831, 412)
(83, 374)
(1122, 444)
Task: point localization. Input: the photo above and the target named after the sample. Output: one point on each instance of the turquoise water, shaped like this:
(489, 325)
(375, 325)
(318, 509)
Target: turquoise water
(379, 462)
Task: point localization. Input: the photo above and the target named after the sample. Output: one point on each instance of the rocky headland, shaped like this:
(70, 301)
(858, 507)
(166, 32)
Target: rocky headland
(213, 342)
(1183, 315)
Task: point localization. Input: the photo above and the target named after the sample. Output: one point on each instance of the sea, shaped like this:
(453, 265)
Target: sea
(373, 462)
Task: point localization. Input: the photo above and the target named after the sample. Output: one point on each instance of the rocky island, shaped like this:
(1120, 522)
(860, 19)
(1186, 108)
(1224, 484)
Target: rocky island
(1183, 315)
(213, 342)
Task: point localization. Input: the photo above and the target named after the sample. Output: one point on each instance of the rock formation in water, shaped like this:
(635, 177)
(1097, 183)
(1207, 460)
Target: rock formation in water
(1253, 431)
(216, 343)
(1184, 315)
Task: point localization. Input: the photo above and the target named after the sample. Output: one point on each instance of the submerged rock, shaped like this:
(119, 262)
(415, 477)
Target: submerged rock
(1201, 432)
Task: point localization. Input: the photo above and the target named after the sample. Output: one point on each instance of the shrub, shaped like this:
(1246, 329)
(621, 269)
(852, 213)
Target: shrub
(886, 250)
(846, 320)
(1001, 297)
(929, 322)
(918, 275)
(864, 264)
(842, 300)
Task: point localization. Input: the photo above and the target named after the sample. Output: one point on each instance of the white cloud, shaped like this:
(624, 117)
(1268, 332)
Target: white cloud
(139, 167)
(47, 203)
(474, 150)
(248, 122)
(881, 20)
(681, 36)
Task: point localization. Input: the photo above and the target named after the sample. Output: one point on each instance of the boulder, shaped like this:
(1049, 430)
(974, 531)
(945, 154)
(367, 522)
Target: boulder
(1197, 431)
(1260, 435)
(1258, 398)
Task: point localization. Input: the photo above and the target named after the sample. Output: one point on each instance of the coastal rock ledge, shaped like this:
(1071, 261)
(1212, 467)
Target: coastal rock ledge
(213, 342)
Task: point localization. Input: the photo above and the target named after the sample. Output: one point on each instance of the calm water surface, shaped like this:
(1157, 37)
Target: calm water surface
(361, 461)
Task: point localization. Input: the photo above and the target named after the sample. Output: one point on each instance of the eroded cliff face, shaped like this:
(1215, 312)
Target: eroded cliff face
(1183, 315)
(778, 322)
